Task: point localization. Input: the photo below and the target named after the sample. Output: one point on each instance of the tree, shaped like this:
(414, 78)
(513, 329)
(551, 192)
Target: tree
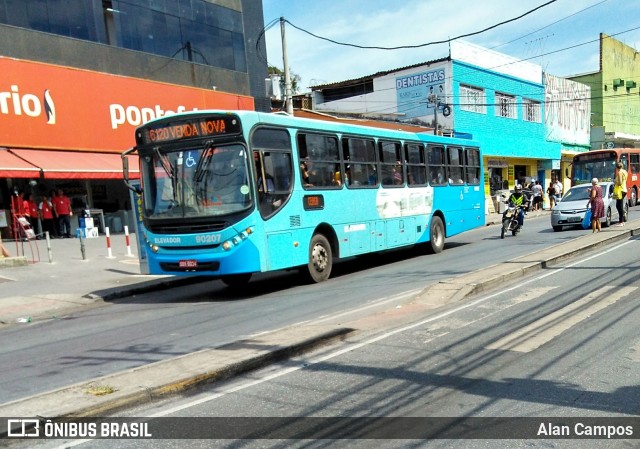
(295, 78)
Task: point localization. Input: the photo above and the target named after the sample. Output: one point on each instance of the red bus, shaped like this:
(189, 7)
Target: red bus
(601, 164)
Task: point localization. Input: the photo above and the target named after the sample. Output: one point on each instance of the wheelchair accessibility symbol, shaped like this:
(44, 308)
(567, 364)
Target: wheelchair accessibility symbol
(190, 162)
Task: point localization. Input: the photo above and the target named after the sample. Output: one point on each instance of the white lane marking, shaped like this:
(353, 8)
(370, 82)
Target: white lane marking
(353, 347)
(547, 328)
(302, 363)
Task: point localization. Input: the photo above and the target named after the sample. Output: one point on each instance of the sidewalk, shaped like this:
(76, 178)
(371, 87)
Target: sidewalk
(41, 290)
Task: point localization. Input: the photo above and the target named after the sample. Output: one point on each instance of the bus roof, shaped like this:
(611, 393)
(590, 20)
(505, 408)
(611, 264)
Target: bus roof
(606, 151)
(283, 119)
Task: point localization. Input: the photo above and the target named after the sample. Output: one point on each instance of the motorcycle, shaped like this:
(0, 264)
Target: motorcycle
(510, 221)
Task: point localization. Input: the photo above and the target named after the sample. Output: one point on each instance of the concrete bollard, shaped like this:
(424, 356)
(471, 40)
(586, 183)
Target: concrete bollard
(109, 253)
(48, 239)
(83, 250)
(127, 241)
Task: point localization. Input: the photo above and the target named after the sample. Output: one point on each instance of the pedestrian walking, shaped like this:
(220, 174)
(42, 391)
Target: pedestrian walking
(537, 196)
(620, 192)
(551, 194)
(596, 202)
(557, 189)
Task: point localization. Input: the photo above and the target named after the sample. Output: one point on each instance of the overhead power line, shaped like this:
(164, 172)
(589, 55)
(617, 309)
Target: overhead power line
(365, 47)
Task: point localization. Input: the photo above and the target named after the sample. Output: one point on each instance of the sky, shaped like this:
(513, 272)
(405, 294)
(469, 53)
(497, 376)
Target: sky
(561, 37)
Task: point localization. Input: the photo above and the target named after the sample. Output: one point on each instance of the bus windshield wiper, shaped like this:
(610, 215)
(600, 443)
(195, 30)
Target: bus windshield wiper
(164, 162)
(203, 163)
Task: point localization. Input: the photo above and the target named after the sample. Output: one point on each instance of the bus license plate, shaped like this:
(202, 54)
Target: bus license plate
(188, 263)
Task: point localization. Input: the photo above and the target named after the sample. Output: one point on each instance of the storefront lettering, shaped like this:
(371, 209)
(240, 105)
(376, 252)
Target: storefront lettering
(419, 79)
(13, 102)
(135, 116)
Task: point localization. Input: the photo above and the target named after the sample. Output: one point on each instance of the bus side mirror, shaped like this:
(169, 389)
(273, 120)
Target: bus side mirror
(125, 173)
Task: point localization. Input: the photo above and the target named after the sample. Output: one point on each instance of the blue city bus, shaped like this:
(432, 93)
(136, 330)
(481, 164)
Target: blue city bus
(232, 193)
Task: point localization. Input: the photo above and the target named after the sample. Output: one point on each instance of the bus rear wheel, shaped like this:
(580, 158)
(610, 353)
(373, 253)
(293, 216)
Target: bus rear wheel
(236, 280)
(436, 237)
(320, 259)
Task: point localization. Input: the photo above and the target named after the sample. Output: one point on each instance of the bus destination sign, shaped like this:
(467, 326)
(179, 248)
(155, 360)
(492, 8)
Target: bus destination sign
(188, 129)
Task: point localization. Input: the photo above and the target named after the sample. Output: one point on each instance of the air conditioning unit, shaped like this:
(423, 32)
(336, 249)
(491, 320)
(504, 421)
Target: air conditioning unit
(618, 82)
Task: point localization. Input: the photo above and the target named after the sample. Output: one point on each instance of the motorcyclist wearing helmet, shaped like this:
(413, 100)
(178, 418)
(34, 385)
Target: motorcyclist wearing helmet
(518, 198)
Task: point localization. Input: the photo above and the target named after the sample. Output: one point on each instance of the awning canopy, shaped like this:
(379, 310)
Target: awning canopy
(11, 166)
(76, 164)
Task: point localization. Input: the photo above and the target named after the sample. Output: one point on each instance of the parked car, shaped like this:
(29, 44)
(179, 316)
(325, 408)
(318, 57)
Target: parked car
(570, 210)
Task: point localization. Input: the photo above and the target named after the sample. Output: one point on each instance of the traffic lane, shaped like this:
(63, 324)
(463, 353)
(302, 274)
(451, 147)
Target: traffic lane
(163, 325)
(458, 365)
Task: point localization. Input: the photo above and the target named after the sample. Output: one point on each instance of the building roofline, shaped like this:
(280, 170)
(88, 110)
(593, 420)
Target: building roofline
(351, 82)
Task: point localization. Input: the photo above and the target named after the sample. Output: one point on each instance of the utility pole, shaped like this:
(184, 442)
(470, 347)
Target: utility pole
(434, 99)
(287, 77)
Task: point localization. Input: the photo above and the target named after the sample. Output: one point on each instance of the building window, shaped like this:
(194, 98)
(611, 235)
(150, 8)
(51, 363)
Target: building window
(505, 105)
(531, 111)
(472, 99)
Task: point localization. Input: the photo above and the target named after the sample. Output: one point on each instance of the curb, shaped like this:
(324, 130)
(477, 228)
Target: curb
(12, 262)
(483, 280)
(173, 376)
(149, 286)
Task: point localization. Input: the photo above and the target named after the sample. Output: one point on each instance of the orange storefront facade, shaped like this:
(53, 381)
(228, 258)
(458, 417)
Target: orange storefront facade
(66, 127)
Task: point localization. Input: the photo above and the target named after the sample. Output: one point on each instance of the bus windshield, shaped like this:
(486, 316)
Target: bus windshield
(586, 169)
(197, 182)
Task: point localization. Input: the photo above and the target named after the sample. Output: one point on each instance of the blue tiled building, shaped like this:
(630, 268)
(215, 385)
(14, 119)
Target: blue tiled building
(495, 99)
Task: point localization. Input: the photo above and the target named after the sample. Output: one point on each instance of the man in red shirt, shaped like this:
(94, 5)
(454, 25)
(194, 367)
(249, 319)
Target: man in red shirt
(62, 207)
(32, 211)
(46, 215)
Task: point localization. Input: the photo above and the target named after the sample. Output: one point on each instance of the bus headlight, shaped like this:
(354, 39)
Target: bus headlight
(237, 239)
(155, 248)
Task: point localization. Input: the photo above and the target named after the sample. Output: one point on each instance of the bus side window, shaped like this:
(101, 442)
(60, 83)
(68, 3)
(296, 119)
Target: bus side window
(360, 157)
(634, 164)
(472, 165)
(416, 167)
(273, 169)
(319, 160)
(391, 171)
(455, 165)
(437, 165)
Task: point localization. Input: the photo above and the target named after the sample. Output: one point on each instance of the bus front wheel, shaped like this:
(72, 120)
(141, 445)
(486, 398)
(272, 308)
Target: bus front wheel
(320, 259)
(436, 238)
(236, 280)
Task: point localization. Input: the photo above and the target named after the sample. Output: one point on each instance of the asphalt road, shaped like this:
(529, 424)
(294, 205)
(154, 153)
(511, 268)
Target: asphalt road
(152, 327)
(560, 344)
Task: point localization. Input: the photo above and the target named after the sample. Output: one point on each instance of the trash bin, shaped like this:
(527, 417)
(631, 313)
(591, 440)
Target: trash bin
(116, 225)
